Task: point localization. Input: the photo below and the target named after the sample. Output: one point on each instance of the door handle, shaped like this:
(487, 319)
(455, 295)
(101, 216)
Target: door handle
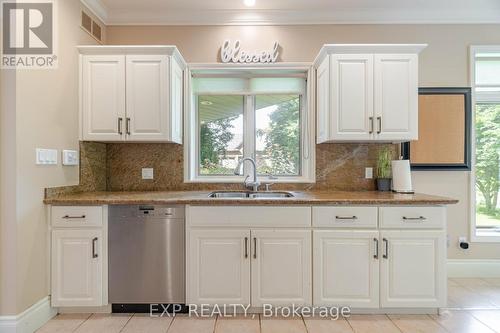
(354, 217)
(94, 245)
(120, 121)
(379, 121)
(67, 217)
(371, 125)
(386, 247)
(127, 126)
(255, 247)
(246, 247)
(420, 218)
(375, 256)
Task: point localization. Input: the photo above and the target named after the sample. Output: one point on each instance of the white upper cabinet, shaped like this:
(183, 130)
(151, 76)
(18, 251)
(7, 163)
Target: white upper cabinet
(103, 97)
(367, 92)
(131, 93)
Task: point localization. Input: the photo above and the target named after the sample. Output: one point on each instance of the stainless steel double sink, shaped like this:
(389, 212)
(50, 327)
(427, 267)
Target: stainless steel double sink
(250, 195)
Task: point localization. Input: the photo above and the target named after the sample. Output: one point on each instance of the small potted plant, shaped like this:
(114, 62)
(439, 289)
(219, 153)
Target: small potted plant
(384, 170)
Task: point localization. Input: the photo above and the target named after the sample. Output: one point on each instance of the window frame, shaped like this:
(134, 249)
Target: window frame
(491, 98)
(307, 121)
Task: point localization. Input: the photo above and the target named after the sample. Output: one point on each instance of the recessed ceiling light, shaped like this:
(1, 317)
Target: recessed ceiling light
(249, 3)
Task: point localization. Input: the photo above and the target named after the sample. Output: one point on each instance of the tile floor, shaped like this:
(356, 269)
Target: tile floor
(473, 307)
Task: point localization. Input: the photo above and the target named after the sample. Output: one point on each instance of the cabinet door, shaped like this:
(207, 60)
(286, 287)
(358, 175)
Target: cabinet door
(218, 267)
(103, 97)
(176, 101)
(281, 267)
(77, 267)
(396, 97)
(352, 97)
(323, 100)
(147, 98)
(412, 268)
(346, 268)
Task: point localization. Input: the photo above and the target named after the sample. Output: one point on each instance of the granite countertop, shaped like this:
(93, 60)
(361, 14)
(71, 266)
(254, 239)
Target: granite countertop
(201, 198)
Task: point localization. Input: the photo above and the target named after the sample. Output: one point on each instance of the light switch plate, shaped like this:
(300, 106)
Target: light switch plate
(70, 157)
(369, 173)
(46, 156)
(147, 173)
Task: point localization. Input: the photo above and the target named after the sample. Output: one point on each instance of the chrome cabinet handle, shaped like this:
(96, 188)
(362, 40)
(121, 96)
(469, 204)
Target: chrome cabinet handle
(246, 247)
(371, 125)
(67, 217)
(386, 252)
(375, 256)
(354, 217)
(379, 121)
(94, 245)
(120, 121)
(127, 126)
(255, 247)
(420, 218)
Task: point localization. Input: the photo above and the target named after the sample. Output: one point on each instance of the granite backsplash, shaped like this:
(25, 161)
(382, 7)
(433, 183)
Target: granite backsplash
(117, 167)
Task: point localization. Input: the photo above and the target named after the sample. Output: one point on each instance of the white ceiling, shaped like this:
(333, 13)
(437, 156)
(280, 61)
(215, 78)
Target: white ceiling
(201, 12)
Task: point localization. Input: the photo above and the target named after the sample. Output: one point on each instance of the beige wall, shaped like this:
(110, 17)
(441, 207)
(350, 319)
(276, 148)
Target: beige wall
(46, 116)
(443, 63)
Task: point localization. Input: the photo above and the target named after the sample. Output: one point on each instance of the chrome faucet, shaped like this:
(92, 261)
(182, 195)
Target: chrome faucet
(255, 184)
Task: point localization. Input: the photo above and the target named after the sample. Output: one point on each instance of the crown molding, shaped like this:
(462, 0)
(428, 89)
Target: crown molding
(97, 8)
(296, 17)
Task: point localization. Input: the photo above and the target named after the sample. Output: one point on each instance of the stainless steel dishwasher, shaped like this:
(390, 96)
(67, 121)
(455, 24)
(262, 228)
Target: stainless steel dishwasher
(146, 254)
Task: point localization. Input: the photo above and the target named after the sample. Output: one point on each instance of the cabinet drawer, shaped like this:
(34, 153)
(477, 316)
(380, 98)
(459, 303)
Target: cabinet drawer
(345, 217)
(76, 216)
(249, 216)
(412, 217)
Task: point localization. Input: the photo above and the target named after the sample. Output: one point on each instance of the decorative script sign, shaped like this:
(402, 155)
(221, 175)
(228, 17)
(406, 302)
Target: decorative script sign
(233, 53)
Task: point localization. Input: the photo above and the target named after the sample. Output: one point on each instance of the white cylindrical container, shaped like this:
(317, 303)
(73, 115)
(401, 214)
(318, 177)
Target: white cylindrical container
(401, 176)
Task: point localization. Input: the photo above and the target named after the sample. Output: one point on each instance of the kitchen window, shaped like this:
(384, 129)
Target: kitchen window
(485, 185)
(238, 114)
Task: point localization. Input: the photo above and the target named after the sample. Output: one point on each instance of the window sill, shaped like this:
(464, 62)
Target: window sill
(486, 236)
(262, 180)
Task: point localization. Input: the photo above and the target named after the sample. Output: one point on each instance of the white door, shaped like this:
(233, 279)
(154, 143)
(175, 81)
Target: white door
(323, 101)
(176, 101)
(103, 97)
(396, 97)
(281, 267)
(218, 266)
(147, 98)
(412, 271)
(352, 97)
(77, 267)
(346, 268)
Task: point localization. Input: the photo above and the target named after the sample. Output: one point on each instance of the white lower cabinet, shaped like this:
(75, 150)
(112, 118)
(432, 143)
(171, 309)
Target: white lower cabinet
(239, 266)
(79, 256)
(412, 271)
(281, 267)
(77, 267)
(346, 268)
(218, 266)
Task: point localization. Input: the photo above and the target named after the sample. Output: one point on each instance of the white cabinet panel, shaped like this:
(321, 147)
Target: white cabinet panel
(344, 217)
(346, 268)
(103, 97)
(323, 100)
(414, 217)
(218, 269)
(352, 96)
(77, 216)
(147, 98)
(176, 101)
(413, 269)
(396, 96)
(77, 267)
(281, 267)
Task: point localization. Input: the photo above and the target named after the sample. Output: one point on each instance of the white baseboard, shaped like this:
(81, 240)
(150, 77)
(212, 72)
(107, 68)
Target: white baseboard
(473, 268)
(29, 320)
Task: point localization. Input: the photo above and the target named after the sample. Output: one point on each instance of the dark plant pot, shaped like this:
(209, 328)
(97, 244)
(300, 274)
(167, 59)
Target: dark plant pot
(384, 184)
